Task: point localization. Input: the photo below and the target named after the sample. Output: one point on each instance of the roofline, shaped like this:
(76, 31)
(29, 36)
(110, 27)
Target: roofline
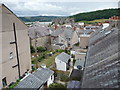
(13, 14)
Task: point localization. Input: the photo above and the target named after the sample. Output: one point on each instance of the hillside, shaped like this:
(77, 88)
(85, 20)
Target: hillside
(88, 16)
(38, 18)
(100, 14)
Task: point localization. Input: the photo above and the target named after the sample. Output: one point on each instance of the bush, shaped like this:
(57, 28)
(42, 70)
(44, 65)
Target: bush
(56, 85)
(32, 49)
(74, 61)
(64, 78)
(61, 50)
(41, 49)
(40, 58)
(73, 56)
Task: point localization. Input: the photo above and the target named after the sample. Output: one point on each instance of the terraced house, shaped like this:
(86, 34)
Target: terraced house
(15, 54)
(102, 63)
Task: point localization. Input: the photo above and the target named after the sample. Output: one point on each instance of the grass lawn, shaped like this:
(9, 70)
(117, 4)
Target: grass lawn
(49, 61)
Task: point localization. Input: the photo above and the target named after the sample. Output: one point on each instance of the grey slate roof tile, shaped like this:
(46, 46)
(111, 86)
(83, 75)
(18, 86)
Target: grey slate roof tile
(63, 57)
(30, 82)
(36, 79)
(43, 74)
(41, 31)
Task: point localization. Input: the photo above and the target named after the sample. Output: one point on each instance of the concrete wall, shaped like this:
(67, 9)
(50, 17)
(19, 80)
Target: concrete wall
(7, 32)
(84, 41)
(0, 48)
(42, 41)
(74, 39)
(60, 65)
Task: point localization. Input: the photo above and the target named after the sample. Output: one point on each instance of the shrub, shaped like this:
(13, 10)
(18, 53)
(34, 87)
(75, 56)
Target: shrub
(64, 78)
(56, 85)
(73, 56)
(40, 58)
(32, 49)
(41, 49)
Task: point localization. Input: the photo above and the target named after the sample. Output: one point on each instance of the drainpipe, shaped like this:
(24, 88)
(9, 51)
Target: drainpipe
(16, 48)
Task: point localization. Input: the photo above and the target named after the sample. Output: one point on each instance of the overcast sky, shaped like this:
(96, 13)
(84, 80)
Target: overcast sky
(57, 7)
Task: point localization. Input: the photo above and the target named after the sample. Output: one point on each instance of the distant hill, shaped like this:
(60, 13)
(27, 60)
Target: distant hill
(88, 16)
(100, 14)
(38, 18)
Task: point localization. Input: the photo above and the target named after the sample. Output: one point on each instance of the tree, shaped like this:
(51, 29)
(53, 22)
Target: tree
(41, 49)
(56, 85)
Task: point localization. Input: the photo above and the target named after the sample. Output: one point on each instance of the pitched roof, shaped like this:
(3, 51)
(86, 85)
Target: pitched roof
(40, 30)
(63, 57)
(67, 33)
(36, 79)
(30, 82)
(43, 74)
(57, 32)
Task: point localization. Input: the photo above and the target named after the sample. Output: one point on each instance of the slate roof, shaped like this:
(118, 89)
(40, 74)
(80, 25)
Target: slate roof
(43, 74)
(63, 57)
(57, 33)
(30, 82)
(73, 84)
(36, 79)
(40, 30)
(67, 33)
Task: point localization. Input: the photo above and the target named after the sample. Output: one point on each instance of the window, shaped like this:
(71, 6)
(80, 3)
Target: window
(51, 77)
(11, 55)
(4, 82)
(61, 40)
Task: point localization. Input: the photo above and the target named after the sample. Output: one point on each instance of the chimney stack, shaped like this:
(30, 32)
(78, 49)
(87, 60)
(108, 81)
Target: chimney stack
(56, 27)
(74, 28)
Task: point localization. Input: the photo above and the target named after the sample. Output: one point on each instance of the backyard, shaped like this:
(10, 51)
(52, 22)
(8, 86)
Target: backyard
(45, 57)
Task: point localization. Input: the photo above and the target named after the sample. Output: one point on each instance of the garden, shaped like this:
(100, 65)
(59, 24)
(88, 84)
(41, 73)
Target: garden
(44, 56)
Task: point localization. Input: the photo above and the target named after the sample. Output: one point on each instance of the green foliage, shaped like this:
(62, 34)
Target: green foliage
(77, 44)
(64, 78)
(40, 58)
(74, 61)
(73, 56)
(56, 85)
(32, 49)
(13, 85)
(41, 49)
(100, 14)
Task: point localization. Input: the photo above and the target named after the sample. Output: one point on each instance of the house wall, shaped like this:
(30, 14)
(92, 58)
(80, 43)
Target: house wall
(11, 74)
(50, 80)
(84, 41)
(74, 39)
(60, 65)
(54, 40)
(0, 48)
(42, 41)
